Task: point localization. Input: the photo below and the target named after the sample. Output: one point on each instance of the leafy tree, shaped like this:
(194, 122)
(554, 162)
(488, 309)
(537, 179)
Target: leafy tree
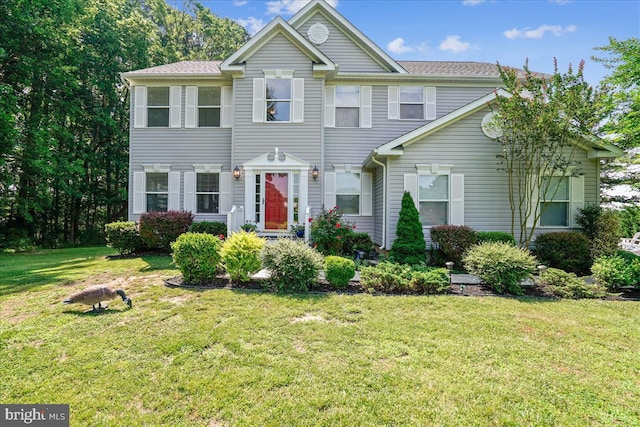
(409, 247)
(621, 104)
(540, 123)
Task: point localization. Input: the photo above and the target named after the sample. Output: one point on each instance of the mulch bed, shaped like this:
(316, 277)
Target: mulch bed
(627, 294)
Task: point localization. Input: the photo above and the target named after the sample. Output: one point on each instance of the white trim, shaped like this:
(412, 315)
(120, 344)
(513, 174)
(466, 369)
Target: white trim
(330, 106)
(297, 100)
(139, 192)
(140, 108)
(411, 185)
(173, 204)
(329, 190)
(226, 185)
(175, 104)
(226, 110)
(259, 100)
(366, 121)
(456, 199)
(366, 194)
(156, 168)
(190, 192)
(429, 103)
(393, 102)
(191, 107)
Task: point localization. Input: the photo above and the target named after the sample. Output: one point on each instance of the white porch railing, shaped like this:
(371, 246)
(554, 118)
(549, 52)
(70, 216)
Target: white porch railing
(235, 219)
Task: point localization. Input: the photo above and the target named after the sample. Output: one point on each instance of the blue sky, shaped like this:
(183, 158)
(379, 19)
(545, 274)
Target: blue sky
(471, 30)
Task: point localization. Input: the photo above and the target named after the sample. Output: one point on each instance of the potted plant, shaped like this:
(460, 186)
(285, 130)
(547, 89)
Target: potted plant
(249, 227)
(298, 230)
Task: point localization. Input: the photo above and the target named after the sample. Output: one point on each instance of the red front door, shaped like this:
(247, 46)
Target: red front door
(276, 201)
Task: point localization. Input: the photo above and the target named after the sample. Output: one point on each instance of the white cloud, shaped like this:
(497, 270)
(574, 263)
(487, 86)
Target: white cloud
(289, 7)
(538, 33)
(398, 47)
(240, 2)
(253, 25)
(454, 44)
(472, 2)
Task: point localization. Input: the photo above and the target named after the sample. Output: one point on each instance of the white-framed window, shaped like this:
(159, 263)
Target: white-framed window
(433, 199)
(411, 103)
(437, 193)
(278, 98)
(348, 106)
(209, 106)
(350, 189)
(158, 107)
(207, 192)
(561, 198)
(157, 191)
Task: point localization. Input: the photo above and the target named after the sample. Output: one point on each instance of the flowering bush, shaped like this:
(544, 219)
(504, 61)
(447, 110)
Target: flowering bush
(329, 232)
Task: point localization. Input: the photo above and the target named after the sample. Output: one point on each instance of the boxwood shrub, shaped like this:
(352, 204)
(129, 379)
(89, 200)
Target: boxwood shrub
(495, 236)
(453, 241)
(338, 271)
(390, 277)
(212, 227)
(565, 250)
(197, 255)
(123, 236)
(617, 271)
(561, 284)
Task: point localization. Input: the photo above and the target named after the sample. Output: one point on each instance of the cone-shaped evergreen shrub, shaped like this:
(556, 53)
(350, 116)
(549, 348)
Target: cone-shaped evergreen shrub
(409, 246)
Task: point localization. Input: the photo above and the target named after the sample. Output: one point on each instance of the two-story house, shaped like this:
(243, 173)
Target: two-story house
(311, 113)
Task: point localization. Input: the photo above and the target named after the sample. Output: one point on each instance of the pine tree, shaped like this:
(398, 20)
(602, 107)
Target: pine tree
(409, 247)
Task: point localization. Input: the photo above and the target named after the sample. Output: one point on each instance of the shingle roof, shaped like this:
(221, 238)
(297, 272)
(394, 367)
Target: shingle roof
(426, 68)
(450, 68)
(183, 67)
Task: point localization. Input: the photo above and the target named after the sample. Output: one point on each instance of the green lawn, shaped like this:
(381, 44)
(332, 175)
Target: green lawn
(241, 358)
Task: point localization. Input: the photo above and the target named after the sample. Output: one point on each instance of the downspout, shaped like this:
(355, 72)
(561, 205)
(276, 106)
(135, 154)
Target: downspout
(384, 201)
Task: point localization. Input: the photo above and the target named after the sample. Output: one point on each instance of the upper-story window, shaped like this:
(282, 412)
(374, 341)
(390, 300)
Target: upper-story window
(348, 106)
(209, 106)
(278, 99)
(158, 106)
(411, 103)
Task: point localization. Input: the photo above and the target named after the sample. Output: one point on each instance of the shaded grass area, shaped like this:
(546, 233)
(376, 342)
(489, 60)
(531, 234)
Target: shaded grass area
(221, 357)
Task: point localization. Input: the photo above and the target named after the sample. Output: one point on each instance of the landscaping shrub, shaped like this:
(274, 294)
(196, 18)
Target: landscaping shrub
(561, 284)
(329, 232)
(587, 218)
(159, 229)
(240, 255)
(409, 247)
(216, 228)
(358, 242)
(629, 219)
(566, 250)
(293, 264)
(401, 278)
(338, 271)
(500, 265)
(453, 241)
(123, 236)
(197, 256)
(617, 271)
(606, 236)
(495, 236)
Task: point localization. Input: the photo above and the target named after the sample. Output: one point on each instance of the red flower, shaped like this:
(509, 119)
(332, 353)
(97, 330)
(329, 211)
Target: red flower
(221, 237)
(353, 227)
(338, 225)
(310, 219)
(315, 245)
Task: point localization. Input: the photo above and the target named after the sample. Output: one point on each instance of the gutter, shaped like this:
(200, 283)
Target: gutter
(384, 203)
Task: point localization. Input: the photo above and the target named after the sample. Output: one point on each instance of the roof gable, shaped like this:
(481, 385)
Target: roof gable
(235, 63)
(316, 7)
(595, 147)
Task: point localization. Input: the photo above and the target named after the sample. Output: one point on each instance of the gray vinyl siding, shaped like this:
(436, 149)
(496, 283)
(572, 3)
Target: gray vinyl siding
(179, 147)
(486, 203)
(341, 49)
(353, 145)
(302, 140)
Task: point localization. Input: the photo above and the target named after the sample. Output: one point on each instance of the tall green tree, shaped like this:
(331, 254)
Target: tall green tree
(540, 123)
(409, 246)
(621, 105)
